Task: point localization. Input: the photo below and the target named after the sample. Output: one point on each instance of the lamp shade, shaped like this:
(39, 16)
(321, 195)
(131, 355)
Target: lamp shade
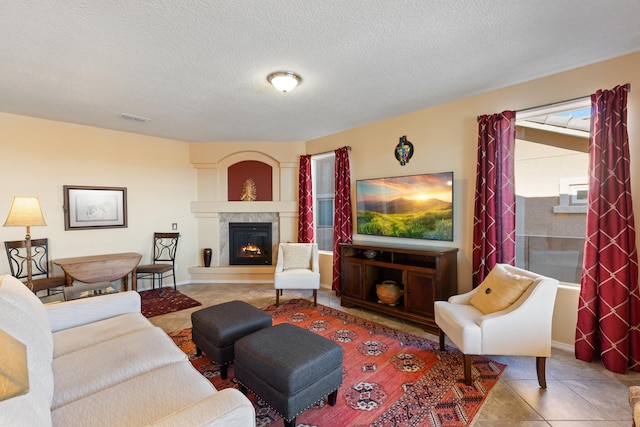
(14, 375)
(284, 81)
(25, 212)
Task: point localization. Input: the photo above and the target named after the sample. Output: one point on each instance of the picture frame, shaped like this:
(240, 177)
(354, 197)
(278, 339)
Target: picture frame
(88, 207)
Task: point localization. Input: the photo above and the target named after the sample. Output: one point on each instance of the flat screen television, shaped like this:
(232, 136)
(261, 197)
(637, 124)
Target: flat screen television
(413, 206)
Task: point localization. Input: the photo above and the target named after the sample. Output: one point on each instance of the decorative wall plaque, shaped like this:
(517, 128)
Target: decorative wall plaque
(404, 150)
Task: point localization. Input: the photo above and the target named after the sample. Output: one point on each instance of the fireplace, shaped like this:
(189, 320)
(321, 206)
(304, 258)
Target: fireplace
(250, 243)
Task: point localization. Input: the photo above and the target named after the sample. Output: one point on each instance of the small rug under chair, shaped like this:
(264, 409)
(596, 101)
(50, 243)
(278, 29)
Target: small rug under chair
(171, 300)
(390, 378)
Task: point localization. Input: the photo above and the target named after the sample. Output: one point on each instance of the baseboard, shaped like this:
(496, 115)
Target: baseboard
(562, 346)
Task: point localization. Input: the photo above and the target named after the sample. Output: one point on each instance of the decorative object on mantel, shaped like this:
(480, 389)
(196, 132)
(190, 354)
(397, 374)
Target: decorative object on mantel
(404, 150)
(26, 212)
(249, 191)
(389, 292)
(206, 255)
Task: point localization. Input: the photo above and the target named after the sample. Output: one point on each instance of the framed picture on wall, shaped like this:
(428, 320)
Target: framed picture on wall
(94, 207)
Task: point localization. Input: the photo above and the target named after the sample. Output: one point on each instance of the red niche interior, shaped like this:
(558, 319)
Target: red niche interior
(260, 173)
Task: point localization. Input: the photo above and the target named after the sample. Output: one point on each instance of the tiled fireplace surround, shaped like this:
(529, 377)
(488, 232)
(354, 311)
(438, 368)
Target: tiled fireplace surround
(214, 213)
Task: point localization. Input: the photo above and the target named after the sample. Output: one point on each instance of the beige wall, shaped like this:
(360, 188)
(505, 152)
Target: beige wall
(40, 156)
(445, 139)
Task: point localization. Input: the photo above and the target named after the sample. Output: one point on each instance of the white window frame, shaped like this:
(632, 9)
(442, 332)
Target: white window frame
(314, 173)
(567, 186)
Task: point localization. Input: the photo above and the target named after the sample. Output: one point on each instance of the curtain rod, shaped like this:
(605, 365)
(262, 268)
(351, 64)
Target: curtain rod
(551, 104)
(628, 86)
(329, 152)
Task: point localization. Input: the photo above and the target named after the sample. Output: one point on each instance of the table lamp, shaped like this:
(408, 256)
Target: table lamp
(26, 212)
(14, 375)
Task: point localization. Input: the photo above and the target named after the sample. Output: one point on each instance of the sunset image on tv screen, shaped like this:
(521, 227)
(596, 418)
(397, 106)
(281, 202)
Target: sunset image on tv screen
(415, 206)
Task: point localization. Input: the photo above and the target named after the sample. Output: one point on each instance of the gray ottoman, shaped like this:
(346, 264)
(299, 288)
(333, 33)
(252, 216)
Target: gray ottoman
(290, 368)
(216, 329)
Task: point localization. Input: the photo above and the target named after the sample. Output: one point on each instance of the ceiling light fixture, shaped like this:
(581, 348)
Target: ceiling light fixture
(284, 81)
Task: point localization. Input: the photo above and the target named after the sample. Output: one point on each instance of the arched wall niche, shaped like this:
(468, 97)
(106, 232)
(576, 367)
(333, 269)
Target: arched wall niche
(250, 176)
(247, 156)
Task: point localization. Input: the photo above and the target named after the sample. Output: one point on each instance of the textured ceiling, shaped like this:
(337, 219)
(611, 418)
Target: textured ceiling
(198, 68)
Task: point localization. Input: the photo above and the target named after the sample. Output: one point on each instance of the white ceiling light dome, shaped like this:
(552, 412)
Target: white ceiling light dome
(284, 81)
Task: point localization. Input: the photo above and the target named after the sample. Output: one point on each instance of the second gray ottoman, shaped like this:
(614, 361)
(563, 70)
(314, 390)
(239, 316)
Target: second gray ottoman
(290, 368)
(217, 328)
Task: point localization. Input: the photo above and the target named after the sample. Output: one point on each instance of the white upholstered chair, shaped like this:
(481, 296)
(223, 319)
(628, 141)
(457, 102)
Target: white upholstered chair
(522, 328)
(297, 268)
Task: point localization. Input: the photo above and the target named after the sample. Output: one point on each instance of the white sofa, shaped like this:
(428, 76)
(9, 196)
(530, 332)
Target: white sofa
(99, 362)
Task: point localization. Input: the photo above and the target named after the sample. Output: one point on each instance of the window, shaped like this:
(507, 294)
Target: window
(551, 181)
(323, 171)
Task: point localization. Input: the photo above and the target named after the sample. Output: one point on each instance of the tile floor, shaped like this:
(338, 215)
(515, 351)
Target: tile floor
(578, 394)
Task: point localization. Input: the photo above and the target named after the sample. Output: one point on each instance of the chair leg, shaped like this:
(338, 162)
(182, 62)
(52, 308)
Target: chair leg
(277, 297)
(442, 336)
(540, 369)
(315, 297)
(467, 369)
(174, 278)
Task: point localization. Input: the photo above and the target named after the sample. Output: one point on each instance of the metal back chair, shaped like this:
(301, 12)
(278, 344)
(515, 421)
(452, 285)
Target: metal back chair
(164, 256)
(40, 267)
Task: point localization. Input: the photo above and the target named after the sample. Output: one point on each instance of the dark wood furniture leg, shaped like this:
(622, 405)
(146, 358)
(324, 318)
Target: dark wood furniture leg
(540, 368)
(467, 369)
(442, 335)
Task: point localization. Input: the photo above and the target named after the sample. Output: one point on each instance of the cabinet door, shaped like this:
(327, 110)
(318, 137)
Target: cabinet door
(420, 293)
(352, 279)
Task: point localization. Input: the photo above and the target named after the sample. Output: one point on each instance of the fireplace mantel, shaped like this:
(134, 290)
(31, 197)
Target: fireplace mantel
(214, 218)
(211, 207)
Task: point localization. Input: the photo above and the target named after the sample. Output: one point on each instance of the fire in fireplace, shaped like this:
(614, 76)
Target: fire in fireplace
(250, 243)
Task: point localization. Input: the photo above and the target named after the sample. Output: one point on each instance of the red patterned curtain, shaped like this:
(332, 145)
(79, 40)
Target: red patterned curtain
(305, 201)
(494, 218)
(609, 304)
(342, 231)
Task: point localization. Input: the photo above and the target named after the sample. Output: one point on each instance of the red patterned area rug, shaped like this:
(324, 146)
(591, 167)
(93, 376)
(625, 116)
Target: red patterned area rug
(390, 378)
(171, 300)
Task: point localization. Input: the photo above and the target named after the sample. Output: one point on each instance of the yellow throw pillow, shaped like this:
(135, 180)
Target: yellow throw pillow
(296, 256)
(499, 290)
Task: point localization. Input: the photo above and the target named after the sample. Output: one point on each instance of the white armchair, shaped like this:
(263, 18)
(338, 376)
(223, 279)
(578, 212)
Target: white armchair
(297, 268)
(521, 327)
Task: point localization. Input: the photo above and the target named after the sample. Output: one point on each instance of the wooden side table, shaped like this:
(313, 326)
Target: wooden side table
(101, 268)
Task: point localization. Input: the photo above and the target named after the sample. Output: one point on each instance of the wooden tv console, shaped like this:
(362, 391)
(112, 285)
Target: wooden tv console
(425, 274)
